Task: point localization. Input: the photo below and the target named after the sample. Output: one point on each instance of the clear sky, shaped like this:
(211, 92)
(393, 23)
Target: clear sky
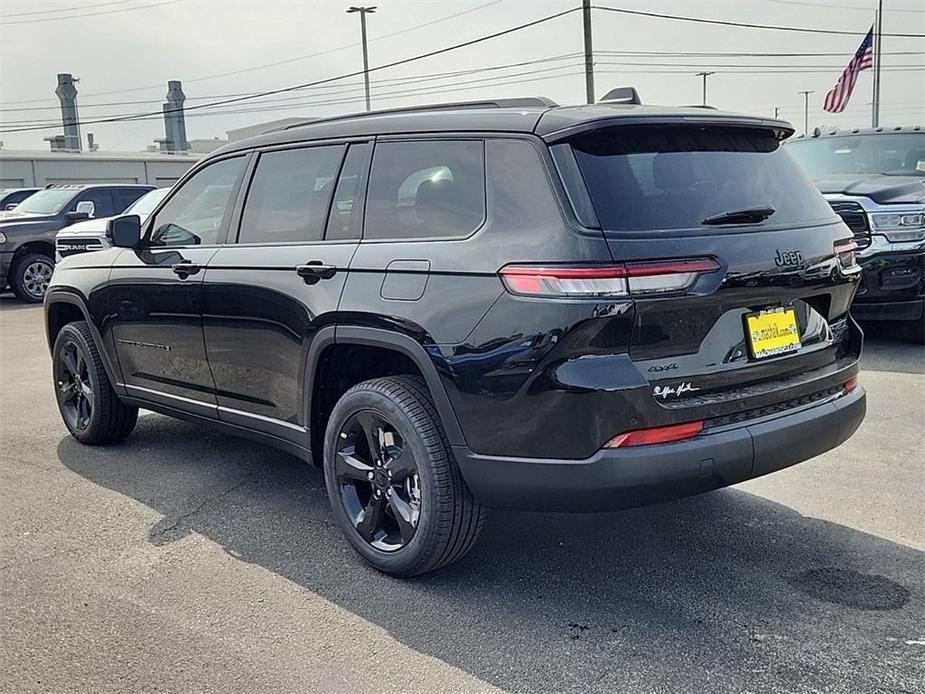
(137, 45)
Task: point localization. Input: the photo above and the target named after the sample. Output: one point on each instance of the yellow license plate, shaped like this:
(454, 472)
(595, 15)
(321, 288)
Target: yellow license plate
(771, 333)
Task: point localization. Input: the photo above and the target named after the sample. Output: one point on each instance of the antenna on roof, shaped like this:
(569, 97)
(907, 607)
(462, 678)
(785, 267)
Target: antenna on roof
(621, 95)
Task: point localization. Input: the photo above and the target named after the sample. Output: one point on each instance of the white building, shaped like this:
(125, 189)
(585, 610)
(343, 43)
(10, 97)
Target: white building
(26, 168)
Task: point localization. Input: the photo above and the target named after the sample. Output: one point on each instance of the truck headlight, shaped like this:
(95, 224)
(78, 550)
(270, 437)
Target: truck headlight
(899, 226)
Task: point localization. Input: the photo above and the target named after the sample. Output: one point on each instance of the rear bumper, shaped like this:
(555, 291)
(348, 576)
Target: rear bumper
(623, 478)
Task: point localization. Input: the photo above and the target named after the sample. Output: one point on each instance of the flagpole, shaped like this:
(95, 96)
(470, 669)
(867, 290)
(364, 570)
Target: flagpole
(878, 39)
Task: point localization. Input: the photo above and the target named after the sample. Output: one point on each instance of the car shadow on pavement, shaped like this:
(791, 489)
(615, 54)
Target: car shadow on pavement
(722, 592)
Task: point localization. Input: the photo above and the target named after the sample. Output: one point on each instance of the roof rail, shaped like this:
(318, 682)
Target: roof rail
(522, 102)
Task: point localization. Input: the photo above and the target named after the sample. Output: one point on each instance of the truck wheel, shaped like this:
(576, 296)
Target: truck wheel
(89, 407)
(393, 484)
(30, 276)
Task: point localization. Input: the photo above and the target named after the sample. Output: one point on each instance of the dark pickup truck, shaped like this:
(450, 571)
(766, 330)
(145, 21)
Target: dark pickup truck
(27, 233)
(875, 180)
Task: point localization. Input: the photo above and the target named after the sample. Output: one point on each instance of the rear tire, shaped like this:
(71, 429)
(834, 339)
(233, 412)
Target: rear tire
(30, 275)
(424, 516)
(90, 408)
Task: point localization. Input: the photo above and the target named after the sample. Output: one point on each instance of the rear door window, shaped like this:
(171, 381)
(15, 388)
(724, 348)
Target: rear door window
(289, 195)
(426, 189)
(663, 178)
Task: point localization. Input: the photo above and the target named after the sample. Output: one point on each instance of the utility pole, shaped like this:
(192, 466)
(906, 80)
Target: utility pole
(705, 75)
(878, 40)
(806, 94)
(589, 51)
(363, 12)
(777, 111)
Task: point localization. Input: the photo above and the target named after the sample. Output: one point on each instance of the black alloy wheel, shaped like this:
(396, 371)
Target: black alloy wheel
(394, 487)
(75, 390)
(89, 406)
(378, 480)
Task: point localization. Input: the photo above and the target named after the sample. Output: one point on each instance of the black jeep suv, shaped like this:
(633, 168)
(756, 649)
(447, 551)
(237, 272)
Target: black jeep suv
(875, 179)
(27, 232)
(509, 305)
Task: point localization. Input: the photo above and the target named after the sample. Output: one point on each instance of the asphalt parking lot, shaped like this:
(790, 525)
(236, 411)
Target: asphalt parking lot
(187, 560)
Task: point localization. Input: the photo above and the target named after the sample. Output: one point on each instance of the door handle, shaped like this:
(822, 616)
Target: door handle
(314, 271)
(185, 269)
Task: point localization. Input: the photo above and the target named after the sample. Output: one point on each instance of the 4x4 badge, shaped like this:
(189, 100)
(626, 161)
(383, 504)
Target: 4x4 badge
(788, 258)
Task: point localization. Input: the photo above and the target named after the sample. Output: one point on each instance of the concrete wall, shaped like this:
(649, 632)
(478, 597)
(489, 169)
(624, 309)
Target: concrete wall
(18, 170)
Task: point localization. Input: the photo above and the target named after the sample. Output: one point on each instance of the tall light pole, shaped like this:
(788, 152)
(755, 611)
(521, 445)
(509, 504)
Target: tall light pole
(806, 94)
(363, 12)
(705, 75)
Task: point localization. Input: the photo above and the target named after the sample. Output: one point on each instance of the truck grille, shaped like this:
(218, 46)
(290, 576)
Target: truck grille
(855, 218)
(74, 246)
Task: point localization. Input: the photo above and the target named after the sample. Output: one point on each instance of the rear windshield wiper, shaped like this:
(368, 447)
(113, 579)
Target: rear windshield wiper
(744, 216)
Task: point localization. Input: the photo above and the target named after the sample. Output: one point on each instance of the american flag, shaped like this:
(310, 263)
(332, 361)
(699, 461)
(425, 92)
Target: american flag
(837, 99)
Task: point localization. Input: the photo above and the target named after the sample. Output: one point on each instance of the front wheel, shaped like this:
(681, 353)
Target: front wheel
(89, 407)
(393, 484)
(30, 277)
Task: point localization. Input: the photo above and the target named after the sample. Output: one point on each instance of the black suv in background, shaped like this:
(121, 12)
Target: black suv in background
(27, 233)
(875, 179)
(515, 305)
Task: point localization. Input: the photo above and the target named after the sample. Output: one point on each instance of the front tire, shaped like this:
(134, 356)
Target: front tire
(90, 408)
(30, 276)
(393, 484)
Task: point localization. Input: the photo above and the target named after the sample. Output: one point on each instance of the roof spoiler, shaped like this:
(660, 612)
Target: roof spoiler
(522, 102)
(621, 95)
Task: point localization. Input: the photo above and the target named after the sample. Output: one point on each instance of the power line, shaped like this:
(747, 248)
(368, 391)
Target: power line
(328, 80)
(721, 22)
(287, 60)
(840, 6)
(67, 9)
(88, 14)
(391, 81)
(354, 94)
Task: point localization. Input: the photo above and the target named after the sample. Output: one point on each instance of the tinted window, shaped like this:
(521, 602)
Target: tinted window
(101, 199)
(901, 154)
(346, 219)
(651, 178)
(425, 190)
(126, 196)
(194, 215)
(289, 195)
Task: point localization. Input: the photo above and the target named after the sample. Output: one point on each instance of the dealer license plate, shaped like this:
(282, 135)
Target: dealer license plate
(773, 332)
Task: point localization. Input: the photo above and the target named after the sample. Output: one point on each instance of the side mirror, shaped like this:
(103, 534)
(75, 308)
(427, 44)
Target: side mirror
(125, 231)
(11, 206)
(84, 210)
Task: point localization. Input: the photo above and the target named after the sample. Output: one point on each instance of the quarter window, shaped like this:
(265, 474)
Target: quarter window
(289, 195)
(196, 213)
(429, 189)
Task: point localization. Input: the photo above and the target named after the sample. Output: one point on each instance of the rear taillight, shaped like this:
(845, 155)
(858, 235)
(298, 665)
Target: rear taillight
(850, 385)
(646, 437)
(631, 279)
(844, 253)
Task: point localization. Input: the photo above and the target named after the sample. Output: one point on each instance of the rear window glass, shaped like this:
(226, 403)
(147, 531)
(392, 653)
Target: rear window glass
(674, 177)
